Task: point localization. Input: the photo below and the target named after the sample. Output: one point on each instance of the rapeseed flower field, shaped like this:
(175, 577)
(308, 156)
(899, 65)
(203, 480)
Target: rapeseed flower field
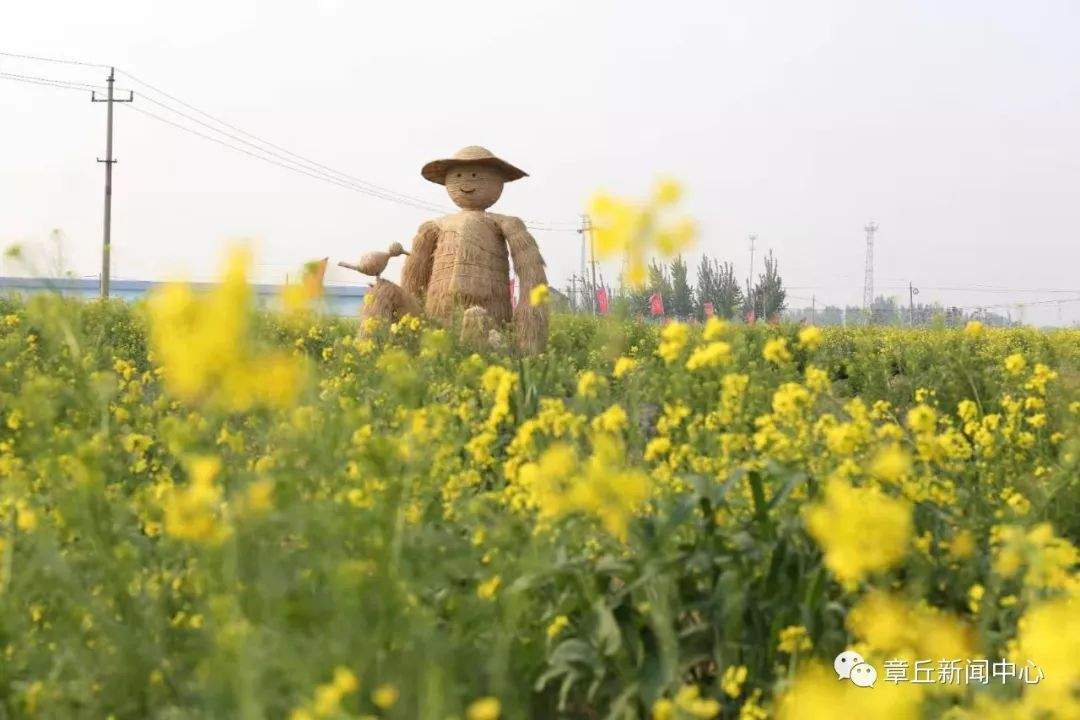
(211, 511)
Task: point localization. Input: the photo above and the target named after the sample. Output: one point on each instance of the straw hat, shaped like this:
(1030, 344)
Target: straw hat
(436, 170)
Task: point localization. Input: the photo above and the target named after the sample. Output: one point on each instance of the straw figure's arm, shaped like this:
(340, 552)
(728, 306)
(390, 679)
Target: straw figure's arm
(531, 322)
(417, 271)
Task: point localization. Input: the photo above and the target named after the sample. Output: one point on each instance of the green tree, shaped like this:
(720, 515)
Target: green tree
(728, 295)
(682, 295)
(769, 297)
(717, 284)
(706, 286)
(658, 283)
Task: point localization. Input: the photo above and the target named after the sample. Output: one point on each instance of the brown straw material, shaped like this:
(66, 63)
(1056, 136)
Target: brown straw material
(389, 302)
(435, 171)
(460, 263)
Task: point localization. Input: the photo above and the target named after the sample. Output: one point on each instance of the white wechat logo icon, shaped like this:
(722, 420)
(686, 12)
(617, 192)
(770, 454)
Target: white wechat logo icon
(864, 675)
(850, 665)
(845, 661)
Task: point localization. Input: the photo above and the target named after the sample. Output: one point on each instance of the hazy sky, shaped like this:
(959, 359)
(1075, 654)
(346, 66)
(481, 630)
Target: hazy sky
(953, 124)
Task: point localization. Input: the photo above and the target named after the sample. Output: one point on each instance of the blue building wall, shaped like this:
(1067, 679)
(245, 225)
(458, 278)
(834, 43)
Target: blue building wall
(343, 300)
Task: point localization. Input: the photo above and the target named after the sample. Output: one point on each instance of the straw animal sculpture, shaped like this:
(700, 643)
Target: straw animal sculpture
(462, 261)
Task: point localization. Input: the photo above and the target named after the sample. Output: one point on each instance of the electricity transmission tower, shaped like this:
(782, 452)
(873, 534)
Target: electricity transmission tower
(109, 161)
(868, 280)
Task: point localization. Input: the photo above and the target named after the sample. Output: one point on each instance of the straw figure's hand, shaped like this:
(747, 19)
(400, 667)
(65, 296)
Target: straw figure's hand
(417, 271)
(530, 322)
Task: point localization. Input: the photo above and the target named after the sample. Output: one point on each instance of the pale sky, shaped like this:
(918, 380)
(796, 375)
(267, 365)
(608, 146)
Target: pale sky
(952, 124)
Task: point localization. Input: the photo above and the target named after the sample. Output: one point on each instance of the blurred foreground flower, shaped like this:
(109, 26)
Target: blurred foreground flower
(633, 230)
(204, 346)
(818, 695)
(195, 512)
(299, 297)
(861, 530)
(601, 486)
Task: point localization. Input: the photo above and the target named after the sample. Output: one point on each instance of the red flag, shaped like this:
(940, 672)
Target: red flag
(709, 311)
(656, 304)
(602, 300)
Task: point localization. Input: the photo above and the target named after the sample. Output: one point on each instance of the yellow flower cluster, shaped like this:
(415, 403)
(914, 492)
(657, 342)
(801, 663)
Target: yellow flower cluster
(196, 512)
(328, 696)
(860, 529)
(686, 703)
(599, 486)
(205, 349)
(633, 230)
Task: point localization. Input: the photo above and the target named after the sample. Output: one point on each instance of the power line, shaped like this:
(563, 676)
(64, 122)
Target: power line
(289, 160)
(44, 82)
(56, 81)
(264, 158)
(312, 167)
(296, 165)
(376, 190)
(53, 60)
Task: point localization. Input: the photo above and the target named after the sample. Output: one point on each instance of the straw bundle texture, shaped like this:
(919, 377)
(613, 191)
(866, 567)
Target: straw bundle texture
(531, 322)
(387, 301)
(470, 267)
(475, 326)
(461, 262)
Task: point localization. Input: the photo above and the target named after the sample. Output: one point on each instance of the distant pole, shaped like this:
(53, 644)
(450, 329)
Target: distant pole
(813, 309)
(109, 161)
(750, 277)
(912, 292)
(586, 232)
(868, 279)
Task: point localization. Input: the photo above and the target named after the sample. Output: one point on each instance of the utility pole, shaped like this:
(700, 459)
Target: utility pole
(813, 309)
(750, 277)
(912, 292)
(109, 162)
(586, 230)
(868, 280)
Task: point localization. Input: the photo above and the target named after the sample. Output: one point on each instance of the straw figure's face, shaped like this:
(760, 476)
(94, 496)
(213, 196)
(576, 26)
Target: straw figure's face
(474, 187)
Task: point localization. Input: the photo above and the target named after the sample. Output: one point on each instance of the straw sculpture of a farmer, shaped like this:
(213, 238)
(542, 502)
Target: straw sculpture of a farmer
(461, 262)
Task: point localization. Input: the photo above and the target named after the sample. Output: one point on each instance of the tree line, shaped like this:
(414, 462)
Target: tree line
(716, 290)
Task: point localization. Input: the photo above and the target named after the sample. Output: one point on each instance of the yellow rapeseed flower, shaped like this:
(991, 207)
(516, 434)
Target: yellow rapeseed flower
(487, 589)
(810, 337)
(673, 339)
(557, 625)
(922, 419)
(861, 530)
(539, 295)
(589, 384)
(793, 639)
(1015, 364)
(776, 351)
(612, 420)
(817, 695)
(194, 512)
(714, 329)
(485, 708)
(891, 464)
(623, 366)
(709, 356)
(733, 679)
(384, 696)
